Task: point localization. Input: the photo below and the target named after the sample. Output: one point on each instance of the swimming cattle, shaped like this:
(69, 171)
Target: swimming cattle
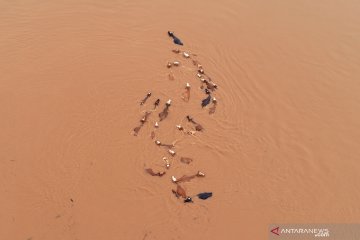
(192, 127)
(176, 39)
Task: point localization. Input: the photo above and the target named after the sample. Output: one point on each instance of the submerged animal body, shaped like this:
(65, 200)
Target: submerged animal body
(180, 191)
(136, 130)
(206, 101)
(176, 39)
(152, 173)
(186, 95)
(165, 112)
(212, 109)
(145, 117)
(146, 97)
(198, 127)
(142, 122)
(186, 160)
(204, 195)
(156, 103)
(185, 178)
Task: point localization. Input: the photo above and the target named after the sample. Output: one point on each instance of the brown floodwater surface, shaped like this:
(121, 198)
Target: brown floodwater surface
(281, 147)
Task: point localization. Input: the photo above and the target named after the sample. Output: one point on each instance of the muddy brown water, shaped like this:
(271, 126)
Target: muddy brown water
(281, 147)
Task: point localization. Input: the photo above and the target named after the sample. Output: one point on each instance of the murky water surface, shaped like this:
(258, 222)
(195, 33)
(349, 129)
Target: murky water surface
(281, 147)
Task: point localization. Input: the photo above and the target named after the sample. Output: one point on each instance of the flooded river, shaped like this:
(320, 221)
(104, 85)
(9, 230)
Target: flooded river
(281, 147)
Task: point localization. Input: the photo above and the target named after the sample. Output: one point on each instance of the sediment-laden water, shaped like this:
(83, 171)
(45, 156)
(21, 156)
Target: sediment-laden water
(281, 146)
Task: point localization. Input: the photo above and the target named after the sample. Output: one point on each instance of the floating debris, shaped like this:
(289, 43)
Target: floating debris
(204, 195)
(186, 160)
(156, 124)
(169, 65)
(187, 55)
(199, 75)
(176, 63)
(173, 178)
(200, 174)
(152, 173)
(157, 142)
(146, 97)
(200, 70)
